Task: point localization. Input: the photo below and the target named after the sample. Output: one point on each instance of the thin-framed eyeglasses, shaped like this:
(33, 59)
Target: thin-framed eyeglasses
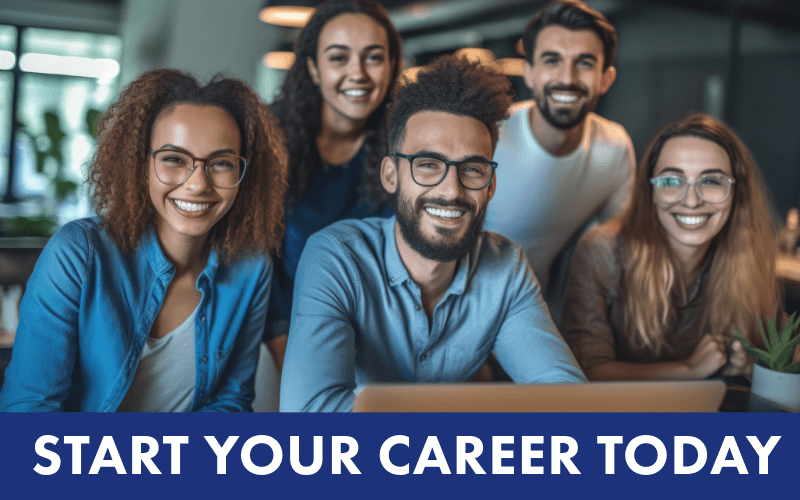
(429, 170)
(711, 188)
(174, 167)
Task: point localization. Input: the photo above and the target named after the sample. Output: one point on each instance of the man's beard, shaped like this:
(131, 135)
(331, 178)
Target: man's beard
(409, 219)
(564, 118)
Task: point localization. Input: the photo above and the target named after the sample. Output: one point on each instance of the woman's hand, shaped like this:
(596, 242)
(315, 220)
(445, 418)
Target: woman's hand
(739, 362)
(708, 357)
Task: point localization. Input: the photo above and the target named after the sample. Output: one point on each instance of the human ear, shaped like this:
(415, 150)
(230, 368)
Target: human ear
(609, 75)
(527, 74)
(312, 71)
(389, 174)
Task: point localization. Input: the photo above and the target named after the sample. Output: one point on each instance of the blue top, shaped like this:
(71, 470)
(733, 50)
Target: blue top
(357, 318)
(88, 310)
(333, 194)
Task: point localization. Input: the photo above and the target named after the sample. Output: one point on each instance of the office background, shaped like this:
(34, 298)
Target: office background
(738, 60)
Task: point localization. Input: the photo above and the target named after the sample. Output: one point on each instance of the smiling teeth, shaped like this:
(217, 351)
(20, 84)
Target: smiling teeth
(444, 214)
(690, 221)
(356, 93)
(191, 207)
(564, 97)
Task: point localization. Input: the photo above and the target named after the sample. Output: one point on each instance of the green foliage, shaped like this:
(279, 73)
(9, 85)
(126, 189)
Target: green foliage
(779, 346)
(51, 144)
(92, 121)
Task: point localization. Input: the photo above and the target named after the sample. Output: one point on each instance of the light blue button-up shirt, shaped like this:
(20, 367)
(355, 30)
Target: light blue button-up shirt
(89, 308)
(358, 318)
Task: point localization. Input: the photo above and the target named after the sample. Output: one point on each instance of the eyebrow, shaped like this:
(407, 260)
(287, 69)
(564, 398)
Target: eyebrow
(439, 156)
(550, 53)
(345, 47)
(184, 150)
(704, 172)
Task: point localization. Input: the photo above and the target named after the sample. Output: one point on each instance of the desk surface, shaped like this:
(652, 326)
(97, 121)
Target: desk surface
(738, 399)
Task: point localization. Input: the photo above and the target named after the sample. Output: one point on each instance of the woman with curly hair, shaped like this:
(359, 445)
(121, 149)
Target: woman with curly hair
(332, 107)
(159, 303)
(658, 293)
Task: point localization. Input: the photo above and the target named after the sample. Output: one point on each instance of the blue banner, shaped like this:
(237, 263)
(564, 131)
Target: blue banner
(399, 455)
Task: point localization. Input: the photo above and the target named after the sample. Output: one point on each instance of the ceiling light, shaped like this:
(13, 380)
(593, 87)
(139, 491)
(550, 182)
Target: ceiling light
(7, 59)
(511, 66)
(102, 69)
(279, 60)
(294, 15)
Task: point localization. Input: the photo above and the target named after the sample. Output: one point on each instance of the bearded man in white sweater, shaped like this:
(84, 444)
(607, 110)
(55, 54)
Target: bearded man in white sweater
(561, 167)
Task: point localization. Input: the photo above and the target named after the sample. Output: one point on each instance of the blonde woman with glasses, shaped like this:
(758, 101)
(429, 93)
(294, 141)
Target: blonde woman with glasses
(657, 293)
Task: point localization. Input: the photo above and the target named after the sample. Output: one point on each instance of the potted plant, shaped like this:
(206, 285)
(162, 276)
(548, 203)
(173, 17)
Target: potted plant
(775, 377)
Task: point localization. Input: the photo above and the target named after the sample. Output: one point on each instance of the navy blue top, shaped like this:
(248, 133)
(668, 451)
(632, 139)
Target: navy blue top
(333, 194)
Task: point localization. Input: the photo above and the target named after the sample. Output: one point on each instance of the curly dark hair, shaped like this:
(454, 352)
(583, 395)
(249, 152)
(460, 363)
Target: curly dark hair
(118, 172)
(454, 85)
(573, 15)
(300, 101)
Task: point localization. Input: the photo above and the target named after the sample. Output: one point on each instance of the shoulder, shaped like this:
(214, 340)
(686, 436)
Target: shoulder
(517, 121)
(602, 236)
(499, 245)
(607, 132)
(350, 233)
(252, 264)
(515, 139)
(78, 237)
(499, 255)
(69, 254)
(600, 246)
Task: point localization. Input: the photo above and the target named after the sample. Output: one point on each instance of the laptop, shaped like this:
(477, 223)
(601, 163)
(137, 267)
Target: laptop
(684, 396)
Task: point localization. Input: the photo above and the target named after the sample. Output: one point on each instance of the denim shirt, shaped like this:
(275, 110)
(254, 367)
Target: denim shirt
(89, 308)
(358, 318)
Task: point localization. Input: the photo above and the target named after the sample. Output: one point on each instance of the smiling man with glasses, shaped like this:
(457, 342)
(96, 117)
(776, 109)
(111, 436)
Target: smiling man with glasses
(424, 296)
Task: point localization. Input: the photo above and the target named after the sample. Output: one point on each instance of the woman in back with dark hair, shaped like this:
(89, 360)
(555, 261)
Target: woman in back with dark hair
(332, 107)
(658, 293)
(159, 304)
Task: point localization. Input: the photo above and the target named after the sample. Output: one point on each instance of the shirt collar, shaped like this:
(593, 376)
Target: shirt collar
(397, 273)
(152, 249)
(159, 262)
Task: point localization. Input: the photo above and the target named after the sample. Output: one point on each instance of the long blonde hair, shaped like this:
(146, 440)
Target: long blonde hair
(740, 284)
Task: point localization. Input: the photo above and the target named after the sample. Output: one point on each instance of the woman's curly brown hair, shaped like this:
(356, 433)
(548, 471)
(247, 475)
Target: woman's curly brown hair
(301, 101)
(118, 172)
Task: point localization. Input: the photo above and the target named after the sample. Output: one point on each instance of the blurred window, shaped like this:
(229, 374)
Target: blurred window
(60, 82)
(8, 43)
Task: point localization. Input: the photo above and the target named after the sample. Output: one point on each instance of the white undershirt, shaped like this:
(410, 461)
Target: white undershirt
(165, 377)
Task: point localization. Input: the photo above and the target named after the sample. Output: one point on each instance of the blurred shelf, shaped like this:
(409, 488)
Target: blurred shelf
(787, 268)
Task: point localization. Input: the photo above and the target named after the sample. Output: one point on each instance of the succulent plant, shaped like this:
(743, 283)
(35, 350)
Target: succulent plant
(779, 346)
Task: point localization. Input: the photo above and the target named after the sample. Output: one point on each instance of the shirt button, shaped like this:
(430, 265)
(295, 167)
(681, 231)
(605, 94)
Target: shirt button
(391, 279)
(202, 319)
(423, 357)
(418, 307)
(204, 359)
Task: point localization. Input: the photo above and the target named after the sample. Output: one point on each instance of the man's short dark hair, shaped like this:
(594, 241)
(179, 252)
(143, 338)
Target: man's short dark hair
(452, 85)
(572, 15)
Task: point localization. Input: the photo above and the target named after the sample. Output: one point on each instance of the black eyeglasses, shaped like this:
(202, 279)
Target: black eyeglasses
(175, 167)
(429, 171)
